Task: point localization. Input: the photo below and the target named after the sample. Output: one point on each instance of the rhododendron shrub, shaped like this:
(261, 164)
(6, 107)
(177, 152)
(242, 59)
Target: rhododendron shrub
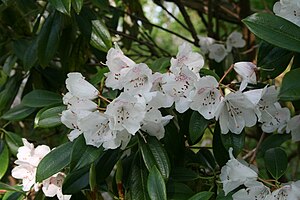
(95, 107)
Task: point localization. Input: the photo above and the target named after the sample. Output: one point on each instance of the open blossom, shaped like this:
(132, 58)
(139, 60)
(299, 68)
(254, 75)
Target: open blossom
(255, 190)
(186, 57)
(206, 96)
(205, 42)
(287, 192)
(235, 39)
(118, 65)
(288, 9)
(126, 112)
(217, 52)
(293, 126)
(156, 129)
(247, 71)
(53, 187)
(79, 87)
(235, 173)
(234, 112)
(26, 173)
(179, 87)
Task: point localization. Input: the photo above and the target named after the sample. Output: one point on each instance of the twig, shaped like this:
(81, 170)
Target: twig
(257, 146)
(103, 98)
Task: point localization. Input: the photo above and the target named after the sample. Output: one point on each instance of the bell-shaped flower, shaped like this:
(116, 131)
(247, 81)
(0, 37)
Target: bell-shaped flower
(287, 192)
(53, 187)
(79, 87)
(289, 10)
(156, 128)
(138, 79)
(255, 190)
(235, 39)
(186, 57)
(247, 72)
(217, 52)
(121, 140)
(118, 65)
(234, 112)
(235, 173)
(126, 112)
(293, 126)
(26, 172)
(278, 121)
(205, 42)
(179, 87)
(206, 96)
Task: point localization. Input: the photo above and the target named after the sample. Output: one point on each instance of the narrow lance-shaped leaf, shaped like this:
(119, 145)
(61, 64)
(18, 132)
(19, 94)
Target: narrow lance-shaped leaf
(4, 158)
(63, 6)
(290, 88)
(41, 98)
(100, 38)
(156, 185)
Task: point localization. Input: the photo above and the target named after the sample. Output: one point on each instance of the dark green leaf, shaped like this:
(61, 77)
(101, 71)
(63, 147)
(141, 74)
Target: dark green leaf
(12, 195)
(100, 38)
(54, 161)
(276, 162)
(41, 98)
(202, 196)
(178, 191)
(83, 154)
(4, 186)
(13, 142)
(208, 72)
(156, 185)
(9, 64)
(49, 117)
(272, 141)
(77, 5)
(76, 181)
(275, 30)
(106, 164)
(290, 88)
(183, 174)
(206, 158)
(18, 112)
(197, 126)
(236, 141)
(218, 147)
(63, 6)
(30, 55)
(272, 60)
(160, 65)
(155, 155)
(48, 39)
(4, 158)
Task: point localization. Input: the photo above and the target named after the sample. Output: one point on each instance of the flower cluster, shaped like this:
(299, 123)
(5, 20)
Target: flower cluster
(27, 162)
(288, 9)
(218, 51)
(238, 173)
(144, 93)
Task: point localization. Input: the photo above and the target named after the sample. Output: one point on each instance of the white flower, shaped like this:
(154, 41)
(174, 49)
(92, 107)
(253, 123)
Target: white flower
(205, 42)
(293, 125)
(288, 9)
(234, 112)
(287, 192)
(118, 65)
(247, 71)
(70, 120)
(122, 139)
(185, 57)
(79, 87)
(138, 79)
(126, 112)
(206, 96)
(278, 121)
(234, 174)
(26, 172)
(235, 39)
(217, 52)
(255, 190)
(179, 87)
(53, 187)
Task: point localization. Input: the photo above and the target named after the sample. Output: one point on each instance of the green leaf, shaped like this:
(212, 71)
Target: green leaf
(155, 155)
(77, 5)
(54, 161)
(156, 185)
(183, 174)
(63, 6)
(106, 164)
(208, 72)
(290, 88)
(275, 30)
(41, 98)
(138, 179)
(4, 158)
(160, 65)
(178, 191)
(18, 112)
(202, 196)
(82, 154)
(49, 117)
(30, 55)
(76, 181)
(272, 141)
(276, 162)
(48, 39)
(236, 141)
(272, 60)
(13, 142)
(206, 158)
(100, 38)
(197, 126)
(4, 186)
(218, 147)
(9, 64)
